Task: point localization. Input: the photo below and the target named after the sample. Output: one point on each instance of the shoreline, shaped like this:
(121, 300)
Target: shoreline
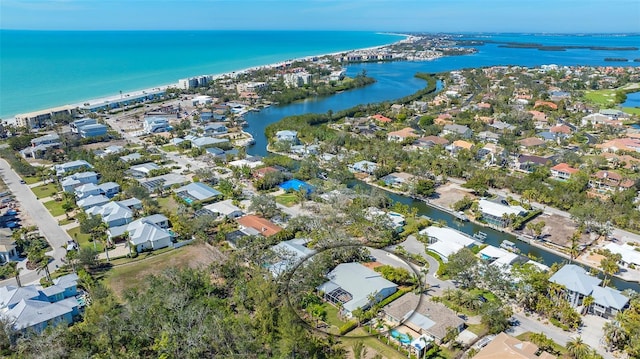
(133, 93)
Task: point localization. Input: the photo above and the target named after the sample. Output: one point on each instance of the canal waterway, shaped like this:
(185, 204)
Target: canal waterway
(395, 80)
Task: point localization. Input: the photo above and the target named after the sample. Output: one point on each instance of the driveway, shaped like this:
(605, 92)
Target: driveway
(47, 225)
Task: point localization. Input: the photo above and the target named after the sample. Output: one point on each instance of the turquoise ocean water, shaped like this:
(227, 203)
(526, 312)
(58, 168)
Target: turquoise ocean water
(41, 69)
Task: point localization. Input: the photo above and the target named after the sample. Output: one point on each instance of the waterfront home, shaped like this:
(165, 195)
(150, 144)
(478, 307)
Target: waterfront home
(608, 181)
(563, 171)
(364, 167)
(113, 214)
(261, 172)
(498, 256)
(142, 170)
(69, 183)
(77, 124)
(72, 166)
(289, 254)
(197, 191)
(397, 179)
(34, 307)
(578, 284)
(215, 129)
(445, 241)
(260, 225)
(95, 130)
(630, 256)
(155, 125)
(206, 141)
(401, 135)
(423, 316)
(497, 214)
(504, 346)
(287, 136)
(225, 208)
(355, 286)
(457, 130)
(38, 119)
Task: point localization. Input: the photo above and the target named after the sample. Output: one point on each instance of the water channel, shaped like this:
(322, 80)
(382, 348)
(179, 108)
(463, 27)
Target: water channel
(394, 80)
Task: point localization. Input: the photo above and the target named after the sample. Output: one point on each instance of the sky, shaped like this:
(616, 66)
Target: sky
(557, 16)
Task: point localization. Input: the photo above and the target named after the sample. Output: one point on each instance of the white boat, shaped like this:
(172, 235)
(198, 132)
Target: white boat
(510, 246)
(480, 236)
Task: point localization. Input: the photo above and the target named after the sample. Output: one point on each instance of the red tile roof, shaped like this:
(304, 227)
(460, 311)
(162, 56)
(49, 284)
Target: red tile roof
(262, 225)
(563, 167)
(381, 118)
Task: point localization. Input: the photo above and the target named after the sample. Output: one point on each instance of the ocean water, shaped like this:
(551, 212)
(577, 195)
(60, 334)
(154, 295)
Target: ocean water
(41, 69)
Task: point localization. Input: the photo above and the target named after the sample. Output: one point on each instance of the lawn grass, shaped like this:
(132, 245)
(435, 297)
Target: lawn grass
(169, 148)
(31, 179)
(372, 342)
(601, 97)
(83, 239)
(55, 207)
(632, 110)
(45, 191)
(479, 329)
(169, 203)
(65, 221)
(287, 199)
(332, 315)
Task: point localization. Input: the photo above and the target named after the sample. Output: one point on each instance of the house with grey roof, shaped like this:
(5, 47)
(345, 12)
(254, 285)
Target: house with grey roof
(197, 191)
(578, 284)
(289, 253)
(423, 316)
(113, 214)
(457, 130)
(364, 167)
(72, 166)
(86, 190)
(287, 136)
(142, 170)
(164, 181)
(91, 201)
(131, 203)
(69, 183)
(355, 286)
(34, 307)
(206, 141)
(145, 234)
(132, 157)
(225, 208)
(41, 145)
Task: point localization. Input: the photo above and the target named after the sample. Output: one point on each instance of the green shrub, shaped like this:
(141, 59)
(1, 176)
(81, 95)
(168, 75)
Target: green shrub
(348, 326)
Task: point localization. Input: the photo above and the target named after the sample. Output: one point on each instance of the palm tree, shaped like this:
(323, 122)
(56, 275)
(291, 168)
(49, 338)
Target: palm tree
(586, 304)
(15, 271)
(577, 348)
(614, 334)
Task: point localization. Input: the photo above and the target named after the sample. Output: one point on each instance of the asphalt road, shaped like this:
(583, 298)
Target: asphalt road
(47, 225)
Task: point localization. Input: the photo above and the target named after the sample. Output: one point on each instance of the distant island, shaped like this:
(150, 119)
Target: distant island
(541, 47)
(616, 59)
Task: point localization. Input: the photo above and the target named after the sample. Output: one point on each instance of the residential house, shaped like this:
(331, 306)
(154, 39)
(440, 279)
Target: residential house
(397, 179)
(87, 190)
(142, 170)
(528, 163)
(531, 142)
(401, 135)
(75, 125)
(206, 141)
(197, 191)
(41, 145)
(261, 172)
(355, 286)
(72, 166)
(430, 141)
(607, 181)
(215, 129)
(163, 182)
(155, 125)
(132, 157)
(35, 308)
(8, 250)
(547, 104)
(146, 234)
(225, 208)
(578, 284)
(262, 226)
(95, 130)
(561, 130)
(497, 214)
(598, 119)
(109, 150)
(287, 136)
(457, 130)
(504, 346)
(381, 118)
(423, 316)
(113, 213)
(446, 241)
(630, 256)
(563, 171)
(621, 144)
(364, 167)
(498, 256)
(488, 136)
(289, 254)
(458, 145)
(69, 183)
(109, 189)
(91, 201)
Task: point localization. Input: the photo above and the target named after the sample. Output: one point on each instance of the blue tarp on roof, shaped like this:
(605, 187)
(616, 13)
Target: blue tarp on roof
(296, 185)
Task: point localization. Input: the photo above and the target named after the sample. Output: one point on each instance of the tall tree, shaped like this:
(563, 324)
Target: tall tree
(577, 348)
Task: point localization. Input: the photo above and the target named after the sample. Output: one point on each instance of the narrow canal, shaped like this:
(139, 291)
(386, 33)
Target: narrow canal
(394, 80)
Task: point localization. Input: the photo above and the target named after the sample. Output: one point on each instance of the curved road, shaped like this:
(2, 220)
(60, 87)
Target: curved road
(47, 225)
